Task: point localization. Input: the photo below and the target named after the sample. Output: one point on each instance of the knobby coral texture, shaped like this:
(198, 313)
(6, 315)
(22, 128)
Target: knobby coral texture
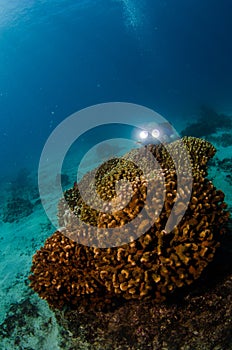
(67, 273)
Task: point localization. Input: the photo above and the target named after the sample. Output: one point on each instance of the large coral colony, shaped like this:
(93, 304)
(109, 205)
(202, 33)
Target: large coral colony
(70, 274)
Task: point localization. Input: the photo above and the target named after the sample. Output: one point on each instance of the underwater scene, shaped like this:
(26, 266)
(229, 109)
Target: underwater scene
(116, 175)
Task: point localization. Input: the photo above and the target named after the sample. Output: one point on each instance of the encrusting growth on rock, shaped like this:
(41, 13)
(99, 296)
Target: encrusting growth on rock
(66, 273)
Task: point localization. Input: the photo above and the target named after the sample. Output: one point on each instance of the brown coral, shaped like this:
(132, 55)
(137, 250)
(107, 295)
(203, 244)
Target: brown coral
(153, 265)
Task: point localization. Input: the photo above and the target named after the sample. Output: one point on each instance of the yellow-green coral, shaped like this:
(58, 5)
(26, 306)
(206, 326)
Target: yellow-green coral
(151, 266)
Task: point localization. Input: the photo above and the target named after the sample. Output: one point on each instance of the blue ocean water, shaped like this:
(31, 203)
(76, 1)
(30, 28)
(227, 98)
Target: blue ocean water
(57, 57)
(60, 56)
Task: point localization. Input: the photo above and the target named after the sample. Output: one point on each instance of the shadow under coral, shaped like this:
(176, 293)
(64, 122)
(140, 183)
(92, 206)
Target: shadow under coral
(196, 317)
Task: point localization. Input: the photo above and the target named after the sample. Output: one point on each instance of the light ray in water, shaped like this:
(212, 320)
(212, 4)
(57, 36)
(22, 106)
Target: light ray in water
(133, 13)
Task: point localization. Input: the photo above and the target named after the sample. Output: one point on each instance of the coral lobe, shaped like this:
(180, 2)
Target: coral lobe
(154, 264)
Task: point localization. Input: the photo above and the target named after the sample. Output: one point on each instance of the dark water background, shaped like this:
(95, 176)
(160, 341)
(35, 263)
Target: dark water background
(58, 56)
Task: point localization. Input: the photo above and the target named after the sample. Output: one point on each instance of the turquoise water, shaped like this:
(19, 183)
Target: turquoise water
(60, 56)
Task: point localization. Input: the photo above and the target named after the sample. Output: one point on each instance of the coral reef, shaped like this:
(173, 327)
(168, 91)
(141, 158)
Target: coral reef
(66, 273)
(22, 197)
(198, 317)
(21, 180)
(23, 185)
(224, 140)
(202, 127)
(225, 164)
(16, 209)
(28, 325)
